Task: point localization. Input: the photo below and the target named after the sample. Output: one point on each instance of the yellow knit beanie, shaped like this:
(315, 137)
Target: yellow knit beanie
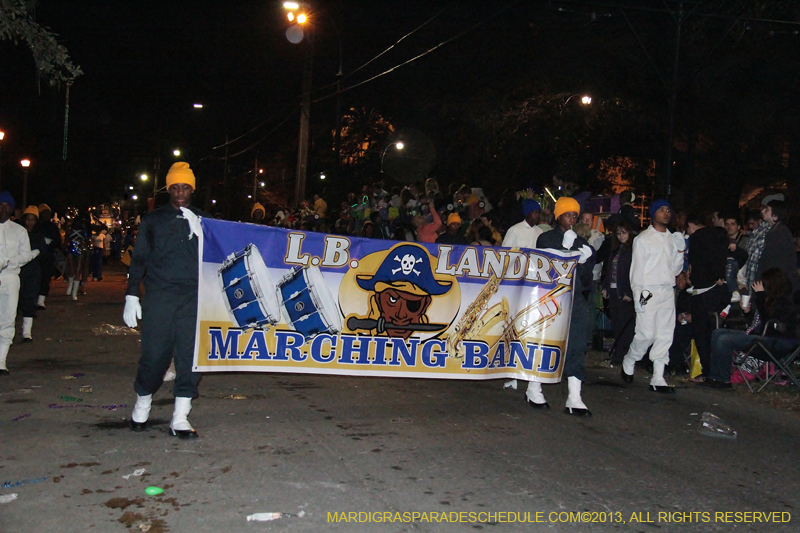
(31, 210)
(180, 173)
(565, 204)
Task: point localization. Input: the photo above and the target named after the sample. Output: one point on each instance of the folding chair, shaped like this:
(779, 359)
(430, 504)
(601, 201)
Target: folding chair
(764, 350)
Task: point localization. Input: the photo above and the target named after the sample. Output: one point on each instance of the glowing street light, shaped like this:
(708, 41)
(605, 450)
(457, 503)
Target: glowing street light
(198, 106)
(176, 153)
(134, 197)
(143, 177)
(322, 176)
(586, 100)
(25, 165)
(130, 187)
(291, 5)
(398, 145)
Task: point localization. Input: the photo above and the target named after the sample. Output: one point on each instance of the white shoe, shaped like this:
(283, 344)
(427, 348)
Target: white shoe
(141, 412)
(27, 327)
(575, 405)
(180, 426)
(510, 384)
(657, 382)
(534, 396)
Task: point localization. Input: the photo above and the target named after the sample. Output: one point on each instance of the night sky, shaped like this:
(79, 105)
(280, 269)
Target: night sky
(146, 63)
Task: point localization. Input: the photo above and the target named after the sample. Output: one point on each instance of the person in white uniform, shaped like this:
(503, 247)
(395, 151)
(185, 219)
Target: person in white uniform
(525, 233)
(15, 251)
(657, 260)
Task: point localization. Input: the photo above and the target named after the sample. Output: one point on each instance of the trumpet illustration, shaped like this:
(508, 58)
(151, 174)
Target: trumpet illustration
(478, 321)
(540, 314)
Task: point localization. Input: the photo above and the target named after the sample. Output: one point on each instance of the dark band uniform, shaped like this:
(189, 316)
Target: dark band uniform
(166, 260)
(580, 322)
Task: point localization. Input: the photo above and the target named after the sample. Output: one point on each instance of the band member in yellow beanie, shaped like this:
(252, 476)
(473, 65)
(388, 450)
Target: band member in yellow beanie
(165, 260)
(562, 237)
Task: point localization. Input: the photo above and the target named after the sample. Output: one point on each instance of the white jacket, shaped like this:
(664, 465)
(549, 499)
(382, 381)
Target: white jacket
(15, 248)
(656, 262)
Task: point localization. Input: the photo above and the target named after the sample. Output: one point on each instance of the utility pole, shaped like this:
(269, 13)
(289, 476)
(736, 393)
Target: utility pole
(673, 98)
(305, 114)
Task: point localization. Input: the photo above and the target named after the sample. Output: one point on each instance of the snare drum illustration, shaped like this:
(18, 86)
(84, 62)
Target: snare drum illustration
(307, 303)
(247, 290)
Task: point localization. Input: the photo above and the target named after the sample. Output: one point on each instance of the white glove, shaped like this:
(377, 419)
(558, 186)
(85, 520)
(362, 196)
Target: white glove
(586, 253)
(194, 222)
(680, 242)
(133, 310)
(35, 253)
(569, 239)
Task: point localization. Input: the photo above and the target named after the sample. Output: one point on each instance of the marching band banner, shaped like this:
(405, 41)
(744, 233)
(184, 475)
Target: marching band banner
(277, 300)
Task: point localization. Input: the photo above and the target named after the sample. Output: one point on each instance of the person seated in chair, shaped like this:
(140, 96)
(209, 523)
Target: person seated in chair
(772, 302)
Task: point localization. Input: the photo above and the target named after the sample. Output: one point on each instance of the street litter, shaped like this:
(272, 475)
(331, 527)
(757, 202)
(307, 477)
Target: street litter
(238, 397)
(263, 517)
(138, 472)
(714, 426)
(24, 391)
(153, 491)
(8, 484)
(7, 498)
(110, 329)
(20, 417)
(68, 377)
(110, 407)
(70, 399)
(86, 388)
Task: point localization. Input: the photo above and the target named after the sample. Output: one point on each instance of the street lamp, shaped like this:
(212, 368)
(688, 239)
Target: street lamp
(176, 153)
(143, 177)
(585, 100)
(399, 145)
(25, 166)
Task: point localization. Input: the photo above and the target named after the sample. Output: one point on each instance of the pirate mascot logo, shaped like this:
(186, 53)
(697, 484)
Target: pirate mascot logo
(402, 291)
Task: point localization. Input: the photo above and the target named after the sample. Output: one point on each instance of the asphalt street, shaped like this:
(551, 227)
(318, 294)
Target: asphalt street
(314, 447)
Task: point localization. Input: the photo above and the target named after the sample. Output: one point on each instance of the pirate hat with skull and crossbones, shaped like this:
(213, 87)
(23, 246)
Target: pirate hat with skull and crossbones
(408, 268)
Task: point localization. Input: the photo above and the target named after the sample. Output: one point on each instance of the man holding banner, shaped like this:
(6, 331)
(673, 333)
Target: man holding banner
(562, 237)
(166, 260)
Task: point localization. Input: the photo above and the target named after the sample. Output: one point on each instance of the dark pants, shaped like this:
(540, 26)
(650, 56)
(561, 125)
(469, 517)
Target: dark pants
(47, 265)
(704, 307)
(169, 319)
(681, 345)
(623, 325)
(580, 331)
(97, 264)
(725, 341)
(29, 278)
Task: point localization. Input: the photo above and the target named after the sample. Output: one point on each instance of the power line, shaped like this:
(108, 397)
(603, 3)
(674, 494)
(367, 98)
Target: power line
(419, 56)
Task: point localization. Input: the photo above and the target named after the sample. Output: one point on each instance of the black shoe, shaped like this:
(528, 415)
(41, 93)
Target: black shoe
(41, 308)
(138, 427)
(626, 378)
(535, 405)
(576, 411)
(4, 372)
(27, 339)
(184, 433)
(666, 389)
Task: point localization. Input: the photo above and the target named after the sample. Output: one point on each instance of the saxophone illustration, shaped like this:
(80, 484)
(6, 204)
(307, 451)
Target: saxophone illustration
(470, 324)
